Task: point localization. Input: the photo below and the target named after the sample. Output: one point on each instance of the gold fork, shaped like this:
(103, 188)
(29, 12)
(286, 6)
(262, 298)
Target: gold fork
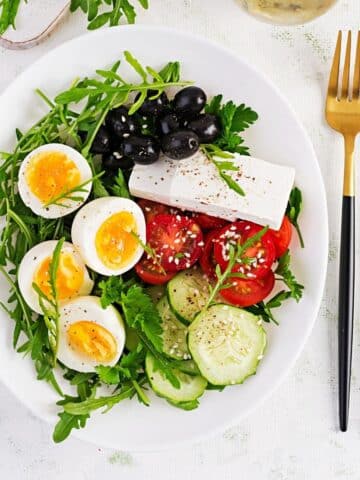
(343, 115)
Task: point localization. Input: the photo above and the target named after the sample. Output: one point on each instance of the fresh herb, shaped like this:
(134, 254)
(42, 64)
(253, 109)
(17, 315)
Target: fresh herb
(284, 274)
(111, 290)
(9, 10)
(50, 305)
(98, 18)
(73, 193)
(119, 186)
(236, 253)
(293, 211)
(234, 120)
(150, 252)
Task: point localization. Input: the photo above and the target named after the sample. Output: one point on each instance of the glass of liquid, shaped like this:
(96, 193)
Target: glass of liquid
(287, 12)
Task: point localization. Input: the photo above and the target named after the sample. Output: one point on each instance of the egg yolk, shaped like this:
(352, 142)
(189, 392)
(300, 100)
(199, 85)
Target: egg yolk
(69, 277)
(50, 174)
(92, 340)
(114, 242)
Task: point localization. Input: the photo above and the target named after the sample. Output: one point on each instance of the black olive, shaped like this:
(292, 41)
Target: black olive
(189, 101)
(102, 141)
(120, 123)
(144, 149)
(167, 123)
(206, 126)
(153, 107)
(180, 144)
(115, 160)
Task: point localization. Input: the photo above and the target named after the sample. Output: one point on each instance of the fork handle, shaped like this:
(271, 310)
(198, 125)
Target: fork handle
(346, 284)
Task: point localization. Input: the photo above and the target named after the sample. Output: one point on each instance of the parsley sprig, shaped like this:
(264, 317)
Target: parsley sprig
(234, 119)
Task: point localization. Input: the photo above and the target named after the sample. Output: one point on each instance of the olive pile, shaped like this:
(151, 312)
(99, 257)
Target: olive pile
(177, 128)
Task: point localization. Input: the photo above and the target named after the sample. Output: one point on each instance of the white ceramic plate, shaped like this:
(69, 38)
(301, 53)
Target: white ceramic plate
(277, 136)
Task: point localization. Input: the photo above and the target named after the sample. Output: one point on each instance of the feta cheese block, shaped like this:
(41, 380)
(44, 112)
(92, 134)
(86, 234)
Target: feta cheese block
(195, 184)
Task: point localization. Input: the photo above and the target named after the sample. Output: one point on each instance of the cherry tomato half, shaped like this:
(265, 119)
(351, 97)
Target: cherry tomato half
(282, 237)
(150, 272)
(256, 260)
(176, 239)
(151, 209)
(207, 222)
(207, 259)
(245, 293)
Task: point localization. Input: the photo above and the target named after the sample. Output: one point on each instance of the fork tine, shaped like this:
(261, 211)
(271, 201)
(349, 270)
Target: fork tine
(346, 75)
(334, 74)
(356, 85)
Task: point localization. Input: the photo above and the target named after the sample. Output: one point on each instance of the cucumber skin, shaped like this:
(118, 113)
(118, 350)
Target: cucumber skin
(182, 319)
(222, 386)
(172, 402)
(177, 314)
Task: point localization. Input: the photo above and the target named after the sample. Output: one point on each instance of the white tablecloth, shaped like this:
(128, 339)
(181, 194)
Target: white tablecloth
(293, 435)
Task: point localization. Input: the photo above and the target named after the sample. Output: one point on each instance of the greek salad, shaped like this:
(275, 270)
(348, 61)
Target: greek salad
(144, 247)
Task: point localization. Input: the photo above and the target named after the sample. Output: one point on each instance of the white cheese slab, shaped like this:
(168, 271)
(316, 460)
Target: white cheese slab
(194, 184)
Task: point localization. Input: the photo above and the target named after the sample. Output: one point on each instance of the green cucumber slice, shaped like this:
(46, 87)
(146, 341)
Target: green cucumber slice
(174, 332)
(226, 343)
(191, 387)
(155, 292)
(188, 293)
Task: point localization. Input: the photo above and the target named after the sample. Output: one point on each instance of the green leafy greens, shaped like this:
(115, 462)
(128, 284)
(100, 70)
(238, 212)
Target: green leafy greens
(293, 211)
(234, 119)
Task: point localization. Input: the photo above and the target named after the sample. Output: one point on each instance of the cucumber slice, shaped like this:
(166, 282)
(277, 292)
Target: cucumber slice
(174, 333)
(155, 292)
(226, 343)
(188, 293)
(191, 387)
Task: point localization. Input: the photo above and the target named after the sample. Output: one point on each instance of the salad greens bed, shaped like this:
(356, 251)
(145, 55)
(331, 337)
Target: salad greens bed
(37, 335)
(98, 12)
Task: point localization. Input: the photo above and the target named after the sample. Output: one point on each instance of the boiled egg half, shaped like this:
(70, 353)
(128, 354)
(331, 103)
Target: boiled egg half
(109, 233)
(72, 277)
(89, 335)
(49, 177)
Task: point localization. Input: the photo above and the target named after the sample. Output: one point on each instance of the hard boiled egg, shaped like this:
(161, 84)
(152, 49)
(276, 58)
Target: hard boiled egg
(89, 335)
(109, 232)
(47, 174)
(72, 277)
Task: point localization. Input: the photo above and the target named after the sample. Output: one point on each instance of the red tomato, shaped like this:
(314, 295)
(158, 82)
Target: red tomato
(177, 240)
(282, 237)
(207, 222)
(245, 293)
(151, 273)
(257, 260)
(207, 259)
(151, 209)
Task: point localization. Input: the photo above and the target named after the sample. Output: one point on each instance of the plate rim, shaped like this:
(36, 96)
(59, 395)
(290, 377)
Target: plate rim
(81, 434)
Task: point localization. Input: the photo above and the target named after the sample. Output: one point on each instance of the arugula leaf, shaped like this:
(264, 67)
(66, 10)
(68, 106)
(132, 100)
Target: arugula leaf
(293, 211)
(98, 18)
(66, 423)
(9, 10)
(283, 270)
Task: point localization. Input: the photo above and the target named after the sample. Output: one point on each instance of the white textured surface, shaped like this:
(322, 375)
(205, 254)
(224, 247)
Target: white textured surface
(294, 435)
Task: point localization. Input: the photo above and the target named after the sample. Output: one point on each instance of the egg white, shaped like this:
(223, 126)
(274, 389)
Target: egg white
(88, 221)
(68, 206)
(31, 262)
(88, 308)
